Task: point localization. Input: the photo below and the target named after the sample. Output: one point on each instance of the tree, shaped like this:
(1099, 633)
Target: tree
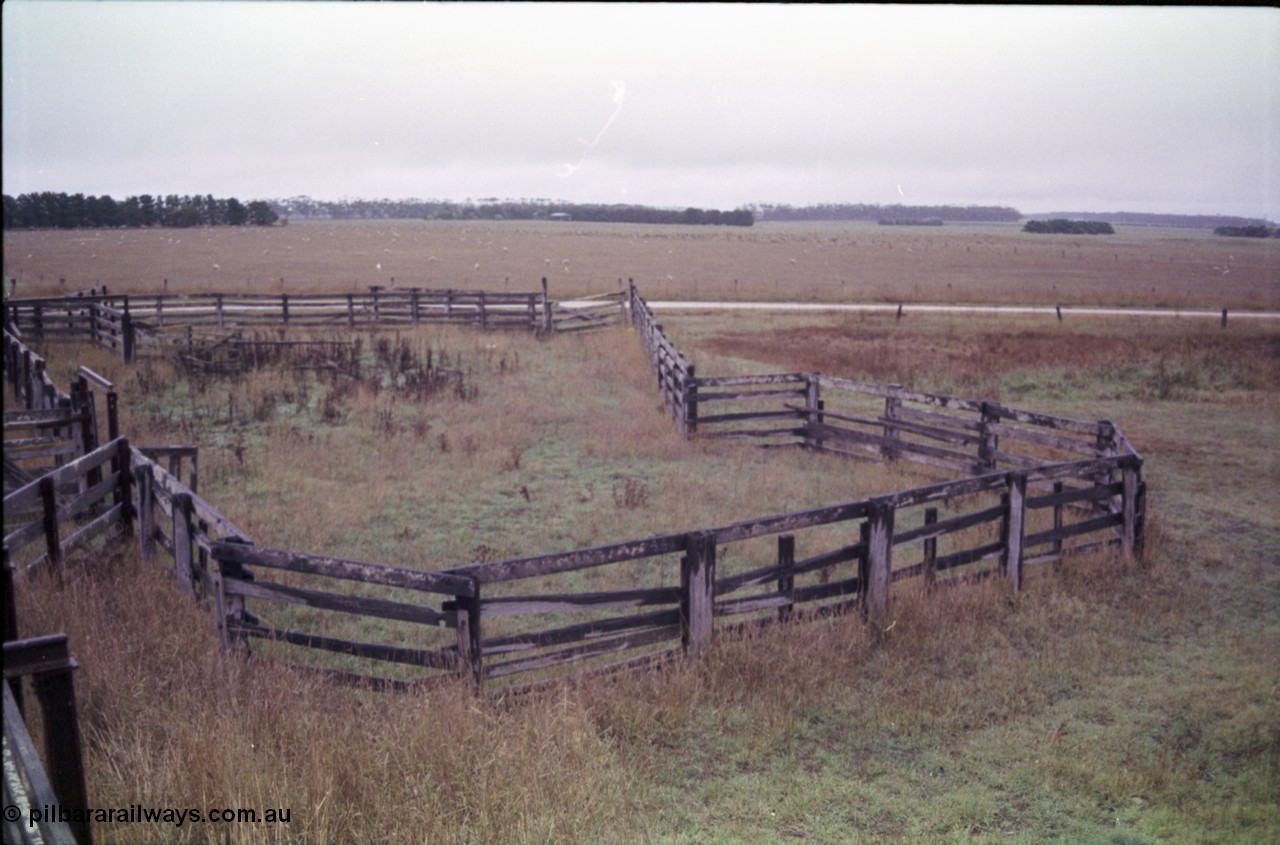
(237, 214)
(261, 213)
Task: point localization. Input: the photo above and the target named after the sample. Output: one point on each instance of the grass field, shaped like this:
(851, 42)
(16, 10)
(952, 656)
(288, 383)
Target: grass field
(1111, 703)
(996, 263)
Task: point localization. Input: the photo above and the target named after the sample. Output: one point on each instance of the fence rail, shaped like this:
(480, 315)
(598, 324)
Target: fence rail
(1036, 489)
(157, 323)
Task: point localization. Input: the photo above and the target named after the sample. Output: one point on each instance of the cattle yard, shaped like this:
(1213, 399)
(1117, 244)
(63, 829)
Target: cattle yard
(1034, 489)
(1000, 492)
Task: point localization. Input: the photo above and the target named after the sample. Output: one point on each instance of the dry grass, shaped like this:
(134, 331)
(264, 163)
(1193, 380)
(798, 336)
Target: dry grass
(999, 358)
(823, 262)
(1110, 702)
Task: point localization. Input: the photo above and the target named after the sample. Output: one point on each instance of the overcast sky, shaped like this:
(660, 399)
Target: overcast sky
(1067, 108)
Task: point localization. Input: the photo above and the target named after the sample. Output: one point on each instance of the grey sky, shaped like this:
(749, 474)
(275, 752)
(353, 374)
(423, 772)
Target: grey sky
(1044, 108)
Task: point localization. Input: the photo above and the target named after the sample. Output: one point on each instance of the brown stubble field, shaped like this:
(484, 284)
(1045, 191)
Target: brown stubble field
(854, 262)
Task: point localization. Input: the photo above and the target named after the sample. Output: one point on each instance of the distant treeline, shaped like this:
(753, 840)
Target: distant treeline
(896, 213)
(1069, 227)
(1247, 232)
(50, 210)
(911, 221)
(1137, 218)
(307, 208)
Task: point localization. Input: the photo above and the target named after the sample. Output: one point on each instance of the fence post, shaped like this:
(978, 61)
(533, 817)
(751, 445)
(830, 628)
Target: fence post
(930, 551)
(49, 514)
(218, 305)
(143, 480)
(1130, 529)
(373, 290)
(690, 401)
(182, 542)
(113, 414)
(55, 690)
(1015, 527)
(127, 337)
(284, 307)
(1056, 546)
(698, 585)
(226, 606)
(879, 540)
(123, 465)
(351, 311)
(548, 326)
(812, 404)
(37, 385)
(26, 393)
(10, 620)
(990, 441)
(786, 577)
(413, 305)
(37, 326)
(470, 651)
(891, 433)
(484, 312)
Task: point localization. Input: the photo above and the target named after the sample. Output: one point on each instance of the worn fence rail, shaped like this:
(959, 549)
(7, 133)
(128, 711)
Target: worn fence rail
(152, 324)
(1035, 490)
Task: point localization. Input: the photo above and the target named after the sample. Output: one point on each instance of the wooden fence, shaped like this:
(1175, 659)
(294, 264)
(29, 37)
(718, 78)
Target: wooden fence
(29, 783)
(1038, 490)
(674, 372)
(158, 323)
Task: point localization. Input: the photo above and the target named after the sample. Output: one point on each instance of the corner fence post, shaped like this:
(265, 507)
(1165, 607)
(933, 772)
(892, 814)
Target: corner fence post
(1131, 526)
(143, 480)
(1015, 527)
(123, 466)
(697, 592)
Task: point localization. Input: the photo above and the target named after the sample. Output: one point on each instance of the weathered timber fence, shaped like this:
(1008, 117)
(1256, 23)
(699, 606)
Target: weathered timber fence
(28, 781)
(155, 323)
(674, 372)
(1041, 489)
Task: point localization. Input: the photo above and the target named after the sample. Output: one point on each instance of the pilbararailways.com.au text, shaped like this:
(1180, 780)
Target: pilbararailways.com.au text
(138, 814)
